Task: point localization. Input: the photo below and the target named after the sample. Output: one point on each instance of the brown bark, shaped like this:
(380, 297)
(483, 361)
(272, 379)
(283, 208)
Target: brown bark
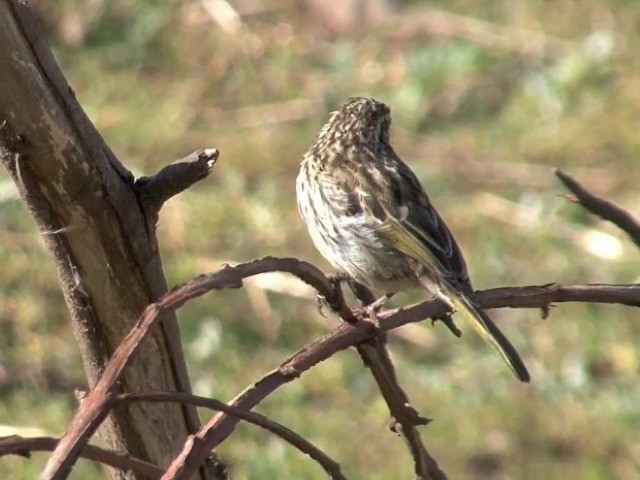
(100, 231)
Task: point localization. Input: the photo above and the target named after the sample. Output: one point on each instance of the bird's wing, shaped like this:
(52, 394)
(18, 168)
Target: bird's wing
(411, 225)
(397, 206)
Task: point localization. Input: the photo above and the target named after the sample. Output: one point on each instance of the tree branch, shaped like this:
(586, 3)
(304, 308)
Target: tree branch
(404, 418)
(544, 295)
(329, 465)
(92, 409)
(17, 445)
(602, 207)
(90, 216)
(174, 178)
(345, 335)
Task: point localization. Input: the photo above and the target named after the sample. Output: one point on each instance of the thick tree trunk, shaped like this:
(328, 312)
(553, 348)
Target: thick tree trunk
(101, 234)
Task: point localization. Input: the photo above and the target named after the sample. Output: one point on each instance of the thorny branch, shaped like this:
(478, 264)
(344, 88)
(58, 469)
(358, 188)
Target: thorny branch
(329, 465)
(17, 445)
(359, 329)
(94, 406)
(405, 420)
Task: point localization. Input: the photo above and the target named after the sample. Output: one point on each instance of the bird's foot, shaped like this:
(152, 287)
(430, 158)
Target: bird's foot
(371, 310)
(321, 302)
(379, 303)
(336, 302)
(338, 277)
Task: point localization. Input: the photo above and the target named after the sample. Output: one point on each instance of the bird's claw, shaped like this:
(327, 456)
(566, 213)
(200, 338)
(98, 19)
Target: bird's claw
(371, 310)
(378, 304)
(321, 302)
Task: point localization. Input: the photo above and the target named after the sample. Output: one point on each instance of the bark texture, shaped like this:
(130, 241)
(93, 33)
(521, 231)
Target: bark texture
(102, 236)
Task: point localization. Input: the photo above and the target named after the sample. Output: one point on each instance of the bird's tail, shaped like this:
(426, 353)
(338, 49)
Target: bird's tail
(488, 330)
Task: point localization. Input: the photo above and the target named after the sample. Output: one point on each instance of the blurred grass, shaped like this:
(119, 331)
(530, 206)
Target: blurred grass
(482, 125)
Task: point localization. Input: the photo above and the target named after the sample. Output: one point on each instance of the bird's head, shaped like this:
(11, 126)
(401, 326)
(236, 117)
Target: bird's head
(359, 120)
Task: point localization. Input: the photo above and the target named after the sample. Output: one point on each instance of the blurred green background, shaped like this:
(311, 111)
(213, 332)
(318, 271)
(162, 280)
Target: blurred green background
(487, 97)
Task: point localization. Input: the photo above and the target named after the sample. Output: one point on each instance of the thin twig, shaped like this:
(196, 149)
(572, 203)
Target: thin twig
(405, 419)
(330, 466)
(544, 295)
(17, 445)
(220, 426)
(602, 207)
(93, 408)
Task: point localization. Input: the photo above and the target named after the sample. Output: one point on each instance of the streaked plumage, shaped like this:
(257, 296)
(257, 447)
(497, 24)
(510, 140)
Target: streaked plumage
(369, 216)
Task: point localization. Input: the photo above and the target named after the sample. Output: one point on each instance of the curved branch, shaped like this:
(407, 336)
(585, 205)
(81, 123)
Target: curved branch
(93, 408)
(330, 466)
(345, 335)
(17, 445)
(602, 207)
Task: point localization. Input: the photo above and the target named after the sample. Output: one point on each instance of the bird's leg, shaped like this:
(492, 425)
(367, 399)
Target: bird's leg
(338, 277)
(361, 292)
(337, 302)
(373, 308)
(379, 303)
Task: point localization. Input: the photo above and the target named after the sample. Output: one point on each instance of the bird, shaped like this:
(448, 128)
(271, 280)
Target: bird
(369, 216)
